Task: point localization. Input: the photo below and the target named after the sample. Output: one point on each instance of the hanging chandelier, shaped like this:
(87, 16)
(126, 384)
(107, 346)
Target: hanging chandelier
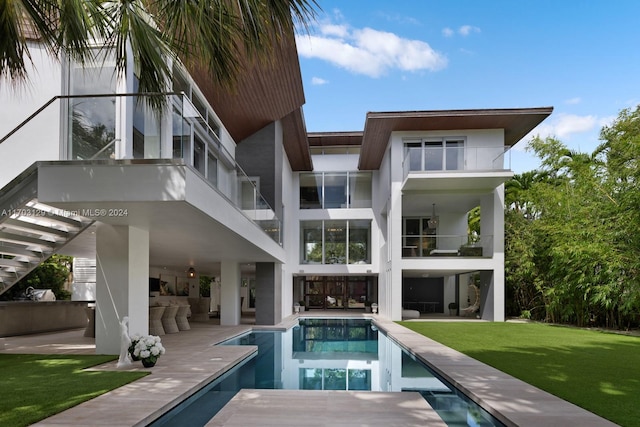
(433, 221)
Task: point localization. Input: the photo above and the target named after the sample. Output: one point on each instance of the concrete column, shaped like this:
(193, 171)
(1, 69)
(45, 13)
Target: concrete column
(268, 293)
(229, 293)
(122, 284)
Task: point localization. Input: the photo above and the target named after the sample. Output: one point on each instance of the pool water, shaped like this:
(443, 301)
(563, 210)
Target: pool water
(328, 354)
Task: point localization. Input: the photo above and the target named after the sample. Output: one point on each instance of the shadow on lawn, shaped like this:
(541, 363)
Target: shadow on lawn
(602, 378)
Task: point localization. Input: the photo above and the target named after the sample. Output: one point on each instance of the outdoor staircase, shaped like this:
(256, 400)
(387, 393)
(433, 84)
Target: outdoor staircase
(30, 232)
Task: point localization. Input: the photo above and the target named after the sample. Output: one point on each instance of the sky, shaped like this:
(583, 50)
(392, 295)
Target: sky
(581, 57)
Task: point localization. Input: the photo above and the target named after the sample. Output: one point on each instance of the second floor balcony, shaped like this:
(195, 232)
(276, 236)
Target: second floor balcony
(116, 127)
(456, 158)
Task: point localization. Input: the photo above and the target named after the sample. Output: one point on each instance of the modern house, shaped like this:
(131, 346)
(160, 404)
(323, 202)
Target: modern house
(228, 183)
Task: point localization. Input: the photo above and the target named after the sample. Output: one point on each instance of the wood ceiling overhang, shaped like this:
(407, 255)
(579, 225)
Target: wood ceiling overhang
(266, 91)
(333, 139)
(516, 122)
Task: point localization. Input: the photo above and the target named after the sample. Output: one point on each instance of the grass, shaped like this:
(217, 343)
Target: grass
(33, 387)
(595, 370)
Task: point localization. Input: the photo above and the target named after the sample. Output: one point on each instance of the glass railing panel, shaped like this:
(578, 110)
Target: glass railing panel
(456, 158)
(433, 245)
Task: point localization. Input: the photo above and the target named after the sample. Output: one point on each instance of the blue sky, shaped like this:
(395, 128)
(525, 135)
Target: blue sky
(581, 57)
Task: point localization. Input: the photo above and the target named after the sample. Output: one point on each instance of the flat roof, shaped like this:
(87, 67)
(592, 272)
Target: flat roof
(516, 122)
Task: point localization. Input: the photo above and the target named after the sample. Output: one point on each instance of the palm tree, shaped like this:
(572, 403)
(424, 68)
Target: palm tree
(216, 35)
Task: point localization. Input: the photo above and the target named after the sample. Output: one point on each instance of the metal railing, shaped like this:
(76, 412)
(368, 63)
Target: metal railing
(451, 245)
(121, 127)
(439, 159)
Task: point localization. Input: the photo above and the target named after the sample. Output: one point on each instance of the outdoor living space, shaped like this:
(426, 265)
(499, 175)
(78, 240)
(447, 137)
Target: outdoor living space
(191, 361)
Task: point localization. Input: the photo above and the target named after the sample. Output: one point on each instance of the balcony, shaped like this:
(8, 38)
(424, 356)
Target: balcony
(447, 245)
(458, 158)
(109, 127)
(456, 168)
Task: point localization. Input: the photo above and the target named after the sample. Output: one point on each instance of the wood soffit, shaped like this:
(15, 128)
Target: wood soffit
(516, 123)
(265, 92)
(328, 139)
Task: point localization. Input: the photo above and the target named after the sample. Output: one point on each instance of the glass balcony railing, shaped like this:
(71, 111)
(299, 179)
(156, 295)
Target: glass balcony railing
(439, 159)
(447, 245)
(123, 127)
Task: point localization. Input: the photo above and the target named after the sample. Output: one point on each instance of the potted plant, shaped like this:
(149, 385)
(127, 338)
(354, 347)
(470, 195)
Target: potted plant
(147, 348)
(452, 308)
(367, 306)
(302, 306)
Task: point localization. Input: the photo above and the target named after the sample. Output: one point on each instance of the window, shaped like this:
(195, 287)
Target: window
(310, 191)
(335, 190)
(146, 128)
(359, 190)
(212, 169)
(92, 120)
(418, 238)
(198, 154)
(336, 242)
(334, 379)
(435, 154)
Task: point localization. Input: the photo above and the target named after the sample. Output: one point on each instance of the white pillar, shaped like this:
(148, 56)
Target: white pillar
(122, 284)
(229, 293)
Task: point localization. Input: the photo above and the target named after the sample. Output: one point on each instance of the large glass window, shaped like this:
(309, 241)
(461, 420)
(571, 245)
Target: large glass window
(335, 379)
(92, 120)
(146, 129)
(359, 190)
(335, 190)
(336, 242)
(310, 191)
(312, 242)
(435, 154)
(198, 153)
(359, 245)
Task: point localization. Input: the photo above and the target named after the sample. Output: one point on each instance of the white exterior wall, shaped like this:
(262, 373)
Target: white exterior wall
(381, 208)
(394, 289)
(30, 144)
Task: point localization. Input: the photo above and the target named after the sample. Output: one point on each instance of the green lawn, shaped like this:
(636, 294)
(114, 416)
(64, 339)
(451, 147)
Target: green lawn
(33, 387)
(597, 371)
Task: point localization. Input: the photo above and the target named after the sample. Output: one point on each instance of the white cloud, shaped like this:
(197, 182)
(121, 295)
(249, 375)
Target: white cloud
(318, 81)
(340, 31)
(568, 124)
(465, 30)
(564, 126)
(573, 101)
(368, 51)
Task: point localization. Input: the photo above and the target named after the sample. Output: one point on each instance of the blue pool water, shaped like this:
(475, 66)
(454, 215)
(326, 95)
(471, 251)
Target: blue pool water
(328, 354)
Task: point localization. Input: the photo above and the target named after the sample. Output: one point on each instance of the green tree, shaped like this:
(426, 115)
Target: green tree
(571, 241)
(215, 35)
(51, 274)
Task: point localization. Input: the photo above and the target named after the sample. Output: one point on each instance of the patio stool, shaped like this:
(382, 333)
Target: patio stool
(181, 318)
(169, 319)
(155, 320)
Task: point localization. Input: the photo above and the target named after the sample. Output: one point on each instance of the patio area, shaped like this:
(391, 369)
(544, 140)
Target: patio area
(192, 361)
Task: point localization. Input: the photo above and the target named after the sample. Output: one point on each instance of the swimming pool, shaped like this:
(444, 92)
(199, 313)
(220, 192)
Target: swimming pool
(328, 354)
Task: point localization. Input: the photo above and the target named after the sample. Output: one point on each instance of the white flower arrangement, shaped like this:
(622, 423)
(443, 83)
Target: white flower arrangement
(146, 348)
